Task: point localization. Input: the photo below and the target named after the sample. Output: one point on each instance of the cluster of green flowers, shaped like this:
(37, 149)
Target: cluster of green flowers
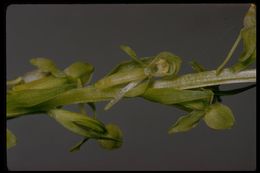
(47, 89)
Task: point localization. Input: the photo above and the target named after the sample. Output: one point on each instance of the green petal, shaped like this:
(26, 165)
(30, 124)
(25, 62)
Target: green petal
(10, 139)
(47, 65)
(249, 41)
(219, 117)
(34, 76)
(129, 65)
(250, 17)
(80, 70)
(131, 53)
(120, 78)
(187, 122)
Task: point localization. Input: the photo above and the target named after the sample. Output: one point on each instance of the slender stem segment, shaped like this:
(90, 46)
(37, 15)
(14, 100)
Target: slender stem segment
(188, 81)
(92, 94)
(207, 78)
(219, 69)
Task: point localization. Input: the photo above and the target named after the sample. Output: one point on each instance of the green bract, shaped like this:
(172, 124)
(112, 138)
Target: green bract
(131, 53)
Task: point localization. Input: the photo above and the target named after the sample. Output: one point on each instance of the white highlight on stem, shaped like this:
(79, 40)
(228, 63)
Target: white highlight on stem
(207, 78)
(122, 92)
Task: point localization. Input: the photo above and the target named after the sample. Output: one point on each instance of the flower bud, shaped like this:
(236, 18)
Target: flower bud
(219, 117)
(114, 132)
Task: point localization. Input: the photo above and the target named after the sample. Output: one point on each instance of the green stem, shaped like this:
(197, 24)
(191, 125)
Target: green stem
(207, 78)
(92, 94)
(220, 68)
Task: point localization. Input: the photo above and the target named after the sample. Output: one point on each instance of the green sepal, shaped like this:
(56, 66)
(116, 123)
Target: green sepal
(47, 65)
(80, 70)
(250, 17)
(187, 122)
(129, 51)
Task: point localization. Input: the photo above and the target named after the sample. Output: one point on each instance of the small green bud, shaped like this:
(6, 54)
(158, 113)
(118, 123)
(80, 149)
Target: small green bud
(219, 116)
(114, 132)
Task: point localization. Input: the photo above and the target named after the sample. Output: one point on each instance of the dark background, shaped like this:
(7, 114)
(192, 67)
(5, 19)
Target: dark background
(93, 33)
